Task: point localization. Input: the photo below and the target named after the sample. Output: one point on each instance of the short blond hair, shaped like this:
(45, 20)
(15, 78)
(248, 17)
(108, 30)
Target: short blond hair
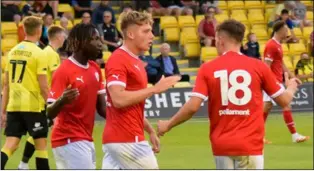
(32, 23)
(53, 31)
(135, 17)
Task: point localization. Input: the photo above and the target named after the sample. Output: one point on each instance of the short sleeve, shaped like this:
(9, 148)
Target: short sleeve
(59, 83)
(102, 89)
(269, 83)
(270, 53)
(116, 72)
(201, 87)
(53, 62)
(41, 63)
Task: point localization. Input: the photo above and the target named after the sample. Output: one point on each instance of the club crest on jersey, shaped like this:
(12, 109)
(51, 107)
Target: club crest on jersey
(97, 76)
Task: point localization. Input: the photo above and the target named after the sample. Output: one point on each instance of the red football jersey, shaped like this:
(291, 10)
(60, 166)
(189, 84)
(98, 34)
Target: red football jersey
(126, 124)
(233, 85)
(75, 122)
(273, 52)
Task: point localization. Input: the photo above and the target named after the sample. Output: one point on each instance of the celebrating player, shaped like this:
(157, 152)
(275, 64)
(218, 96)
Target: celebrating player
(273, 57)
(124, 143)
(234, 93)
(24, 95)
(76, 90)
(56, 37)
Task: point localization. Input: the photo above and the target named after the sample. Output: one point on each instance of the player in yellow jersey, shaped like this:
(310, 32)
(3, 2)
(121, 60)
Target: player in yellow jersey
(25, 91)
(56, 36)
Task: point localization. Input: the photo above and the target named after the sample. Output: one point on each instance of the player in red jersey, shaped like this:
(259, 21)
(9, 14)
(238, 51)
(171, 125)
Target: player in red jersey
(124, 142)
(233, 85)
(76, 91)
(273, 57)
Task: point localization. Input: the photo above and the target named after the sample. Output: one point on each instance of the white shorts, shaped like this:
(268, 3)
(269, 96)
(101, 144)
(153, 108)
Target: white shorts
(76, 155)
(129, 156)
(267, 98)
(239, 162)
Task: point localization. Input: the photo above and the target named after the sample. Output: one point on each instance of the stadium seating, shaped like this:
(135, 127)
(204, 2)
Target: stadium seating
(208, 53)
(254, 11)
(285, 49)
(191, 50)
(188, 35)
(65, 8)
(3, 63)
(297, 32)
(307, 32)
(8, 28)
(221, 17)
(253, 4)
(106, 55)
(258, 26)
(288, 63)
(296, 49)
(256, 18)
(309, 15)
(186, 21)
(260, 33)
(171, 34)
(240, 17)
(77, 21)
(238, 11)
(198, 19)
(235, 4)
(183, 63)
(8, 44)
(261, 49)
(70, 25)
(268, 12)
(222, 4)
(168, 21)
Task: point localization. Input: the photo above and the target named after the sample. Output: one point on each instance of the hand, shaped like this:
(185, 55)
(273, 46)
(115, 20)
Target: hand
(155, 142)
(3, 120)
(69, 95)
(245, 47)
(162, 127)
(166, 83)
(293, 82)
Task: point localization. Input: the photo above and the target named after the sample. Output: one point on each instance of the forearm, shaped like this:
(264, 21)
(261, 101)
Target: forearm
(54, 109)
(124, 98)
(101, 106)
(5, 98)
(148, 127)
(285, 69)
(184, 114)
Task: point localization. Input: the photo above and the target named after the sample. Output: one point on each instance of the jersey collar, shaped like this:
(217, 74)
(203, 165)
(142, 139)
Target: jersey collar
(276, 41)
(232, 51)
(129, 52)
(77, 63)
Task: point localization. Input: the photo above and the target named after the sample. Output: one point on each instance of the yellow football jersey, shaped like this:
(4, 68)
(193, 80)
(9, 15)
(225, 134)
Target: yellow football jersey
(25, 62)
(53, 61)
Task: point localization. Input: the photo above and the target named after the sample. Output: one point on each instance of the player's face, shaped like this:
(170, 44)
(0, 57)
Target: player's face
(143, 36)
(61, 38)
(94, 47)
(219, 43)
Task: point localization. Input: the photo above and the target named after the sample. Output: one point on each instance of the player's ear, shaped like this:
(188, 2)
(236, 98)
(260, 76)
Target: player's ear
(130, 35)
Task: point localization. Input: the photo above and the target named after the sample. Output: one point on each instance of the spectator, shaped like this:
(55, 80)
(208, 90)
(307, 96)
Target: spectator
(299, 15)
(207, 27)
(99, 11)
(187, 11)
(275, 15)
(251, 48)
(86, 19)
(304, 68)
(191, 7)
(42, 8)
(48, 21)
(109, 33)
(285, 17)
(174, 7)
(156, 9)
(64, 22)
(9, 9)
(168, 64)
(28, 8)
(152, 67)
(204, 4)
(81, 7)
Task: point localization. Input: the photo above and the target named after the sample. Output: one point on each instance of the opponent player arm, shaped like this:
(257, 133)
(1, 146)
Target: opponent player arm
(101, 105)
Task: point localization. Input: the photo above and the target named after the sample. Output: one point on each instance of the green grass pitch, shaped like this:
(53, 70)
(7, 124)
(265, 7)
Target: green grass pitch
(187, 146)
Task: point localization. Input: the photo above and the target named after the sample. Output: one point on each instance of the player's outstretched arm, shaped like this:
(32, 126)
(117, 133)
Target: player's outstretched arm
(286, 97)
(184, 114)
(101, 105)
(67, 97)
(122, 98)
(5, 99)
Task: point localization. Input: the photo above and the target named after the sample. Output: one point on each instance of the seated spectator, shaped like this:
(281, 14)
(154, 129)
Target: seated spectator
(81, 7)
(174, 7)
(187, 12)
(152, 67)
(28, 8)
(42, 8)
(86, 18)
(168, 64)
(285, 17)
(251, 48)
(156, 9)
(191, 7)
(304, 68)
(99, 11)
(9, 9)
(204, 4)
(207, 27)
(64, 22)
(275, 15)
(299, 15)
(48, 21)
(108, 32)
